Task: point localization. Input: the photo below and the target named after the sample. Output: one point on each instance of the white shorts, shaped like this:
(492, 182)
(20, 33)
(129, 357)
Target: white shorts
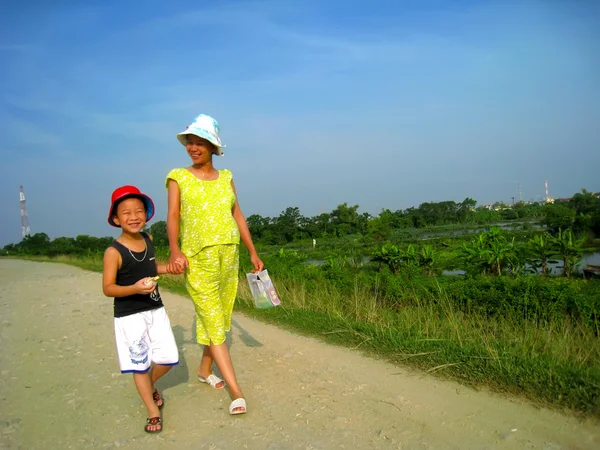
(145, 338)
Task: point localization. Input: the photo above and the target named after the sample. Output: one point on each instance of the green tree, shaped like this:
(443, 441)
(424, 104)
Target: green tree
(158, 230)
(559, 217)
(287, 225)
(466, 210)
(319, 226)
(587, 209)
(381, 226)
(585, 202)
(346, 220)
(63, 246)
(37, 244)
(258, 225)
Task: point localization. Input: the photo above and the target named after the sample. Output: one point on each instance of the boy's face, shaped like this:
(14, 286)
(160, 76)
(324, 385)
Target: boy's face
(131, 215)
(200, 150)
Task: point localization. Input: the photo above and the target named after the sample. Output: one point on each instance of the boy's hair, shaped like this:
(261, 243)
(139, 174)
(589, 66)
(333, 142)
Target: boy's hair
(121, 200)
(123, 193)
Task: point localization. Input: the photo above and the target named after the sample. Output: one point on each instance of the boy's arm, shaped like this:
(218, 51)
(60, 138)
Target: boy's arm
(177, 261)
(112, 260)
(161, 269)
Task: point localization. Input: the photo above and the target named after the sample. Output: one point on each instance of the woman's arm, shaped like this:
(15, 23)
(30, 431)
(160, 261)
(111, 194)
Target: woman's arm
(245, 235)
(173, 221)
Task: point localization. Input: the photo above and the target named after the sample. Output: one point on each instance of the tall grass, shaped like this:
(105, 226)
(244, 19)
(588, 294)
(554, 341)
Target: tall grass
(554, 363)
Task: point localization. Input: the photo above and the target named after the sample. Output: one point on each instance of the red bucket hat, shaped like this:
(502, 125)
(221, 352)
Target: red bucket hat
(129, 191)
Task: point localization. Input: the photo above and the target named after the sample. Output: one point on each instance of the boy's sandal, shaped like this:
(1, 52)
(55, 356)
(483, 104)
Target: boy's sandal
(212, 380)
(157, 398)
(238, 403)
(153, 421)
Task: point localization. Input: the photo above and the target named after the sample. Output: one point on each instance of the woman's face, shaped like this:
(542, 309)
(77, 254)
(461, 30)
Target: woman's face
(199, 149)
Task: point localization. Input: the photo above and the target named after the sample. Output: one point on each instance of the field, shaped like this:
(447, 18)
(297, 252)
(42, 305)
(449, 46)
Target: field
(523, 333)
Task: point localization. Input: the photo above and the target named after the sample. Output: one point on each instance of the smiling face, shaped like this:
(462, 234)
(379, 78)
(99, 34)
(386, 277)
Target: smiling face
(130, 215)
(199, 149)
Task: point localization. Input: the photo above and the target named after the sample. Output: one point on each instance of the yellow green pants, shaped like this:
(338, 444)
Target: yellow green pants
(212, 281)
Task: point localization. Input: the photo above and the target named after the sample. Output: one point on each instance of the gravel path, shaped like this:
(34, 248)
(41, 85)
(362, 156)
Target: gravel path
(61, 387)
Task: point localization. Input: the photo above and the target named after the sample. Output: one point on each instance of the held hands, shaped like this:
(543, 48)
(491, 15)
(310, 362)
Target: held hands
(177, 263)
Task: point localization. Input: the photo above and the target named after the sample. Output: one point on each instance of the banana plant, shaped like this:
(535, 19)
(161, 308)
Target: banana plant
(543, 249)
(410, 256)
(489, 252)
(499, 251)
(335, 262)
(570, 249)
(390, 255)
(427, 259)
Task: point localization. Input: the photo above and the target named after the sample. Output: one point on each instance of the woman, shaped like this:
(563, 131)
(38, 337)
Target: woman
(203, 211)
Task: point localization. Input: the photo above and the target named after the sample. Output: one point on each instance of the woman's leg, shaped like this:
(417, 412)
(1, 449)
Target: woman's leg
(205, 367)
(229, 273)
(223, 360)
(212, 283)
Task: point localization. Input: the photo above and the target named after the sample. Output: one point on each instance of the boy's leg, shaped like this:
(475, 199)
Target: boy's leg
(134, 356)
(164, 348)
(157, 372)
(143, 383)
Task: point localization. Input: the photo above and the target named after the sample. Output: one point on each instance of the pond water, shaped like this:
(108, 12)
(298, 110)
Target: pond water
(589, 258)
(503, 225)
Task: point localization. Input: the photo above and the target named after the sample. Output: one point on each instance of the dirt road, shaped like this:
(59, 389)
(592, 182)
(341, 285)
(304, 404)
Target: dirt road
(61, 387)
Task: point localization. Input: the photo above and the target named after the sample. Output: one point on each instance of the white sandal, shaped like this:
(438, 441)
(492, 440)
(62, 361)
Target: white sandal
(212, 380)
(237, 403)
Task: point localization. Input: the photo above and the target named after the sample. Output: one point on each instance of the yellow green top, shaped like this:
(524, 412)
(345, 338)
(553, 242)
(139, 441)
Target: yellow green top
(205, 211)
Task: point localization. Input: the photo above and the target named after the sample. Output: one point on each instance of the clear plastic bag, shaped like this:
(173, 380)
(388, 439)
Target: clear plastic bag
(263, 292)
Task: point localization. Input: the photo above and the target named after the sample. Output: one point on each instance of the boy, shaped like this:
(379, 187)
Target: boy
(142, 328)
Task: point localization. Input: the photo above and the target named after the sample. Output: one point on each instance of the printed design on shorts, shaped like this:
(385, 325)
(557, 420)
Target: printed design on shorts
(138, 352)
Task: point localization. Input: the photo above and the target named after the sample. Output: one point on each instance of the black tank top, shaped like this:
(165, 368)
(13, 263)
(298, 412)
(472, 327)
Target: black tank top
(134, 267)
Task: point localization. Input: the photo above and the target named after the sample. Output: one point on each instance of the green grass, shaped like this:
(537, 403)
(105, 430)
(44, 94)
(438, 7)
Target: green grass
(554, 363)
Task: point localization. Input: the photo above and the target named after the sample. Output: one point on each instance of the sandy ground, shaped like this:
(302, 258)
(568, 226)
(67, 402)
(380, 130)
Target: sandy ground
(61, 387)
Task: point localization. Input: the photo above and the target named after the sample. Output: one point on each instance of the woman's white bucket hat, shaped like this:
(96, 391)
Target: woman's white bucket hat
(205, 127)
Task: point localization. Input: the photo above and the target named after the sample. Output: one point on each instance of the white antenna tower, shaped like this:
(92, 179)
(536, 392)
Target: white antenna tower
(25, 231)
(548, 198)
(520, 193)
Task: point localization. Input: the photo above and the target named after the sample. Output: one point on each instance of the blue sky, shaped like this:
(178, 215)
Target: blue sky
(319, 103)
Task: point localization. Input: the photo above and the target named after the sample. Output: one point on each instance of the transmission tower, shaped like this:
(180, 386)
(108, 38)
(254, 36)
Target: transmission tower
(24, 218)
